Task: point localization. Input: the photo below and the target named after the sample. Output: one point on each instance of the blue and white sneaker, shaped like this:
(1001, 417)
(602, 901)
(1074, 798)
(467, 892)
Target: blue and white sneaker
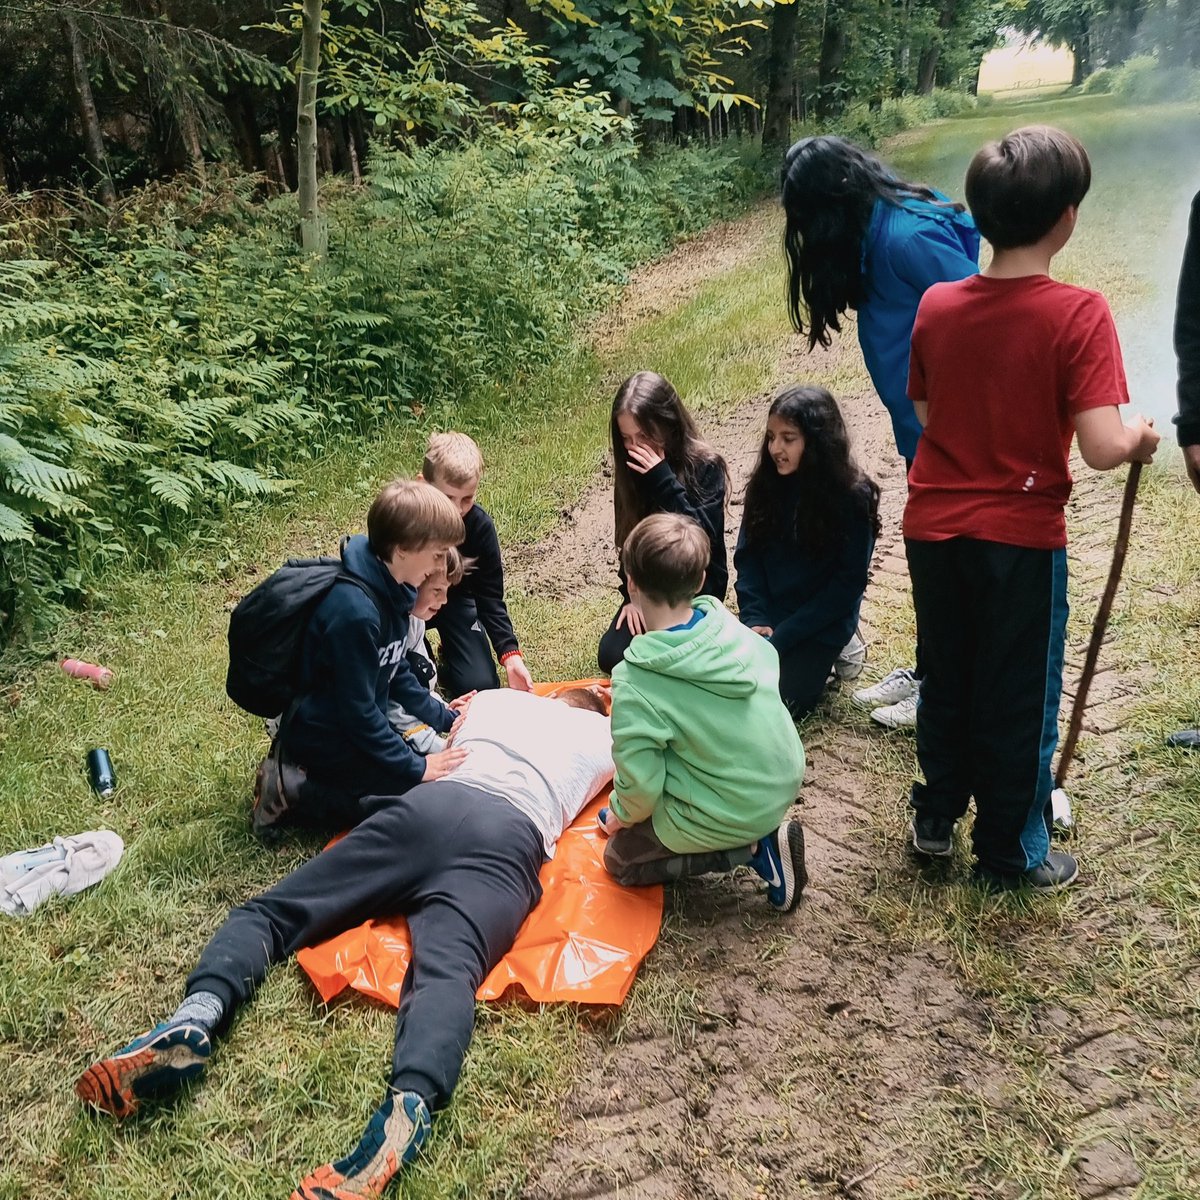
(155, 1064)
(391, 1140)
(779, 859)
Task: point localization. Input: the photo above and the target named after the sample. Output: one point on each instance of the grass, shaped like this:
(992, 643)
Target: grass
(294, 1082)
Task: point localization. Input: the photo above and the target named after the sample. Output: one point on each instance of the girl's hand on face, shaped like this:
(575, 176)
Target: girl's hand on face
(631, 617)
(765, 630)
(643, 457)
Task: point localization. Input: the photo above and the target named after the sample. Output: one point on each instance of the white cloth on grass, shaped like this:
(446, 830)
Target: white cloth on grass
(60, 868)
(544, 757)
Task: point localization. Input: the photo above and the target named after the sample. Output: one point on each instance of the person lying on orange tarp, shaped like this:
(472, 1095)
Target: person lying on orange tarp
(460, 857)
(583, 942)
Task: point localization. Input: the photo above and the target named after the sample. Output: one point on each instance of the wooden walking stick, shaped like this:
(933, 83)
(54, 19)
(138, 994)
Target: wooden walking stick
(1100, 624)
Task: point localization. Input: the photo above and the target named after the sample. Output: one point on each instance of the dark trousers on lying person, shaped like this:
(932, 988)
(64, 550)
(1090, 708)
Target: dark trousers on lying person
(993, 624)
(465, 655)
(461, 864)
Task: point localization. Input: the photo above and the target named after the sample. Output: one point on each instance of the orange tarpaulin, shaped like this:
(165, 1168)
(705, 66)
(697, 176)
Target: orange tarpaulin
(584, 941)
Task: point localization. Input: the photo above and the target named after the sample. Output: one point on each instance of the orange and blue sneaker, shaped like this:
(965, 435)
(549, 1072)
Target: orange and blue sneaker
(153, 1065)
(392, 1138)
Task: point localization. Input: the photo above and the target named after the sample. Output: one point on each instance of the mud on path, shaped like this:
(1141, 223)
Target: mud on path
(767, 1056)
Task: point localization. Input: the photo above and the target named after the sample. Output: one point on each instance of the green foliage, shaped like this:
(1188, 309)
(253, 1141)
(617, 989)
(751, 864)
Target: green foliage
(1145, 80)
(176, 366)
(869, 126)
(656, 58)
(1099, 83)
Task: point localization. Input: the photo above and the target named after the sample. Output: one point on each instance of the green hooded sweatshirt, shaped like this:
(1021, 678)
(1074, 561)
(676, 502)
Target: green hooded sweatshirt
(702, 744)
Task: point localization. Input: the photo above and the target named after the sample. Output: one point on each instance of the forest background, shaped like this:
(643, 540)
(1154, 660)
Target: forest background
(170, 348)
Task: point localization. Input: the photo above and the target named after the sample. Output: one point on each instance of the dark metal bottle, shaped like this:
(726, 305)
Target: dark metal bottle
(100, 772)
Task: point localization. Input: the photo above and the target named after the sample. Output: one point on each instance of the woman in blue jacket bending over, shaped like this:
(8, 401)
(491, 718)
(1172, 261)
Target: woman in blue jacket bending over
(808, 529)
(858, 237)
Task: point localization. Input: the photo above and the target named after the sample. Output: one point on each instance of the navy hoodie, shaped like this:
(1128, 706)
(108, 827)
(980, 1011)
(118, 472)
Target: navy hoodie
(484, 583)
(802, 596)
(664, 493)
(349, 656)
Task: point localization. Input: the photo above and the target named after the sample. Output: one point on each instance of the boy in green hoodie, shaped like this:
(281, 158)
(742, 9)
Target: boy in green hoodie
(707, 758)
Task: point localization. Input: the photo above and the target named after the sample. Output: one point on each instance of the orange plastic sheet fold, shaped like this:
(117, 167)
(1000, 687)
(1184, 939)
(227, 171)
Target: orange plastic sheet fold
(583, 942)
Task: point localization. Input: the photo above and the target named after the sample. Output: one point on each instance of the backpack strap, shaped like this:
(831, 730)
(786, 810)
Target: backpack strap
(385, 617)
(385, 620)
(380, 602)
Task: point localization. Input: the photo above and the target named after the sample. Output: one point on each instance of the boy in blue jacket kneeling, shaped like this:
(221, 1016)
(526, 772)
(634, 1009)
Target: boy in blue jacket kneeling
(335, 745)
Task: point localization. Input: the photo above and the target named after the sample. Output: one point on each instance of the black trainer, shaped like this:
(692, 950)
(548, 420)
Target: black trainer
(932, 835)
(1059, 871)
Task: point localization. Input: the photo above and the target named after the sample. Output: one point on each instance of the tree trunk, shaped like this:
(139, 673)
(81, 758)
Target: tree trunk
(314, 231)
(928, 63)
(1082, 68)
(325, 149)
(833, 54)
(189, 133)
(89, 119)
(781, 74)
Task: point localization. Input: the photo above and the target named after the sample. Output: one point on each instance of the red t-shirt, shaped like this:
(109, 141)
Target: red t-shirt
(1004, 365)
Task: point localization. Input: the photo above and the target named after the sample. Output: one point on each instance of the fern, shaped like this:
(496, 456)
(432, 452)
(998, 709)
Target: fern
(243, 479)
(13, 526)
(171, 488)
(26, 474)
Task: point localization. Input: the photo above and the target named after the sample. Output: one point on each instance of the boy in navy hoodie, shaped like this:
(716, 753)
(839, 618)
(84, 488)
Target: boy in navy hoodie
(335, 746)
(474, 613)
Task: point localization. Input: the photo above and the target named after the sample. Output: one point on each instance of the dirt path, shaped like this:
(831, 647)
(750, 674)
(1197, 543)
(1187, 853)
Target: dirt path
(791, 1057)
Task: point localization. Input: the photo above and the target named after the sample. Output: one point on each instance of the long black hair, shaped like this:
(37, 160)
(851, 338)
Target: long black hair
(654, 404)
(828, 487)
(829, 189)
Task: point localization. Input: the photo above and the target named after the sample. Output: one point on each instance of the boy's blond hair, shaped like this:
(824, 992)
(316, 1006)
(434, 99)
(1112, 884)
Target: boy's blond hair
(409, 514)
(452, 458)
(666, 556)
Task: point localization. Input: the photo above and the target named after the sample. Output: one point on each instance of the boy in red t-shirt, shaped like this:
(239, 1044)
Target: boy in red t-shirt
(1006, 366)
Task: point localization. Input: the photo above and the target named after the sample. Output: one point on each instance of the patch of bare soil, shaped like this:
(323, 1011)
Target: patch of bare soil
(671, 281)
(802, 1047)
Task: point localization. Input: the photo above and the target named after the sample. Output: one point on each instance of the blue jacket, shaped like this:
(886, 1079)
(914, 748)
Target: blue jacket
(803, 597)
(908, 248)
(349, 663)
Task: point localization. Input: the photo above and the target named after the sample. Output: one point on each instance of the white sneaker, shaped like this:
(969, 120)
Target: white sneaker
(849, 663)
(901, 715)
(891, 689)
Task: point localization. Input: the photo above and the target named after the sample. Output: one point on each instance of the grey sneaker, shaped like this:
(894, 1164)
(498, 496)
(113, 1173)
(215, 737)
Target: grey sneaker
(849, 663)
(1059, 871)
(901, 715)
(933, 836)
(899, 685)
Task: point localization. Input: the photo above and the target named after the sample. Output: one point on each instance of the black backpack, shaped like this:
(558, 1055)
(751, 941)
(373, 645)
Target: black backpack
(267, 627)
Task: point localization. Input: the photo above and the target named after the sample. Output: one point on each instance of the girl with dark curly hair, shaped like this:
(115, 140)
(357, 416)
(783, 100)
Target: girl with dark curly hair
(808, 529)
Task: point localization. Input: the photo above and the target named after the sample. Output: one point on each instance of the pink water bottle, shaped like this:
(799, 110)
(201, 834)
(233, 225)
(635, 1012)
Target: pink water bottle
(100, 677)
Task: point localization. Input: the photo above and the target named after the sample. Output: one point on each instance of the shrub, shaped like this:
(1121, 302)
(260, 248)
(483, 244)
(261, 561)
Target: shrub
(1100, 82)
(181, 362)
(1142, 79)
